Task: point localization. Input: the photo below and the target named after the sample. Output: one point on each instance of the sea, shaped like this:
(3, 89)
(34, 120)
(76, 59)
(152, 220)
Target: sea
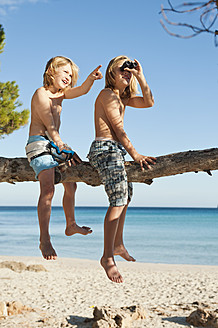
(151, 234)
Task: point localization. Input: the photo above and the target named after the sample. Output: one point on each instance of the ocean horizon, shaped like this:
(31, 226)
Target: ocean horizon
(172, 235)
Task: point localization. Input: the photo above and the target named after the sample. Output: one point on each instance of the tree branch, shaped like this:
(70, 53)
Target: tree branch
(18, 170)
(208, 13)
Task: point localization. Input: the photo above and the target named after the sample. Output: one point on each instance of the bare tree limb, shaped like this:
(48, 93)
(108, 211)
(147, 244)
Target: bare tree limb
(208, 13)
(18, 170)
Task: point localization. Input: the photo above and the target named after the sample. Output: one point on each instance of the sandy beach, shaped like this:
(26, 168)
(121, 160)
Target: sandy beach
(65, 294)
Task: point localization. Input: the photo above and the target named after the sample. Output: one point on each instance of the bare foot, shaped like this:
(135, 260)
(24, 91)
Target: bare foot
(122, 251)
(47, 250)
(74, 228)
(111, 269)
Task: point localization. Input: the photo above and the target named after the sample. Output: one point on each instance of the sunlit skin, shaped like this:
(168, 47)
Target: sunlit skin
(46, 107)
(109, 115)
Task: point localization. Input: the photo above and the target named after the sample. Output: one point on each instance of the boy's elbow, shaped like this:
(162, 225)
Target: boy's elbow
(85, 92)
(151, 102)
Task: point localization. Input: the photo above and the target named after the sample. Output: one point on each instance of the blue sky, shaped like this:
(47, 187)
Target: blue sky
(181, 73)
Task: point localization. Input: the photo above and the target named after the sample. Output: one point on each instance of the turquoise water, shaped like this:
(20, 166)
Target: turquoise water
(156, 235)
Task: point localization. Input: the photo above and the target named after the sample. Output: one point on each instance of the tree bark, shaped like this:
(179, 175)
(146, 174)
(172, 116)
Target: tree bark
(18, 170)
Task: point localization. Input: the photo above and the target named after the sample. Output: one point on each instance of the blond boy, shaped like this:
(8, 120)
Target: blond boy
(59, 82)
(108, 149)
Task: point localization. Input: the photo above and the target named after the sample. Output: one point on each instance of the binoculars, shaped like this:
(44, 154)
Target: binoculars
(128, 64)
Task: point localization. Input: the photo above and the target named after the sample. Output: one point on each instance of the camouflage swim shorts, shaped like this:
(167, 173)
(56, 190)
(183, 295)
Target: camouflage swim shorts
(107, 157)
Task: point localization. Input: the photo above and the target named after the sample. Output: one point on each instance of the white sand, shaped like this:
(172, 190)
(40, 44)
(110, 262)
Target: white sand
(71, 287)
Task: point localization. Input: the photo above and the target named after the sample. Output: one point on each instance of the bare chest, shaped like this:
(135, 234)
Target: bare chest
(56, 107)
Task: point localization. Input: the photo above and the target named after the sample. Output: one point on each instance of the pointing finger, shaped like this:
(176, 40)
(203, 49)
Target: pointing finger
(97, 68)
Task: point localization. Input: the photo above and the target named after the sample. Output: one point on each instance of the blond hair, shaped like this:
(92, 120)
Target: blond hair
(131, 89)
(52, 66)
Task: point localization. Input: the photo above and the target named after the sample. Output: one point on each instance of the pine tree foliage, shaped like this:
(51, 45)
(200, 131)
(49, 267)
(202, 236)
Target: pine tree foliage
(2, 39)
(10, 118)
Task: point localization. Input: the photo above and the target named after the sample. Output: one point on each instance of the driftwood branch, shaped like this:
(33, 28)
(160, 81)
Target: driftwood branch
(18, 170)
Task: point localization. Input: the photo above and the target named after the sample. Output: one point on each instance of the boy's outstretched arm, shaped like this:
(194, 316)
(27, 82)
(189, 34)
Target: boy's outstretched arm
(86, 86)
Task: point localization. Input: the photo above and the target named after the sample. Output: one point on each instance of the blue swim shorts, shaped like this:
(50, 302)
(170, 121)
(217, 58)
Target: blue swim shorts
(44, 162)
(107, 157)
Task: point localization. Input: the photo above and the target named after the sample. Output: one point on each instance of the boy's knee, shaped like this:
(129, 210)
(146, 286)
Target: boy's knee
(117, 210)
(70, 188)
(48, 190)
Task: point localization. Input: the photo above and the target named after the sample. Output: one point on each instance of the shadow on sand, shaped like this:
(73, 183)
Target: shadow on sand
(79, 322)
(178, 320)
(83, 322)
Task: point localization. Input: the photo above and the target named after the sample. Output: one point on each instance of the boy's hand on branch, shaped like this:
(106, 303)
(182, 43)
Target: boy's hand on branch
(145, 161)
(96, 74)
(75, 160)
